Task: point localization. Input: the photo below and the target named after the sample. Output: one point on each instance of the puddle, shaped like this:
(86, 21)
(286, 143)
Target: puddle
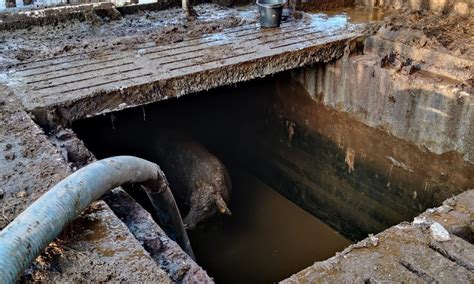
(333, 19)
(359, 14)
(278, 142)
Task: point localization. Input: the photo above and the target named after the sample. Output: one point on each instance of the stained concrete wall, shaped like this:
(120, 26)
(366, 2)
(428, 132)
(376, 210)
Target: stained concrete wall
(418, 101)
(355, 177)
(426, 109)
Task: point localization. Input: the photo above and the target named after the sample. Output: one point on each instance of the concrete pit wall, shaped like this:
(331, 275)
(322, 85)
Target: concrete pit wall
(357, 178)
(408, 124)
(432, 113)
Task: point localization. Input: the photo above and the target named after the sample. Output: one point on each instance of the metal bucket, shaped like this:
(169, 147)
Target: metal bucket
(270, 12)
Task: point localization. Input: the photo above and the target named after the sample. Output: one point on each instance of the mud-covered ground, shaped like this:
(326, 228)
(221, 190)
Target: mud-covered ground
(453, 33)
(97, 246)
(25, 152)
(161, 27)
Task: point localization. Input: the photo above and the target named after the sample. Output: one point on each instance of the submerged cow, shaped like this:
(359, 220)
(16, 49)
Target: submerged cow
(197, 178)
(199, 181)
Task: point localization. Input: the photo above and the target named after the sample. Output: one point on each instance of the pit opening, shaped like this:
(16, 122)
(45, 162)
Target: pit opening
(307, 180)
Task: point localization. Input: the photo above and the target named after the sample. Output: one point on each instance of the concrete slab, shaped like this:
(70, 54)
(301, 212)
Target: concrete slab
(97, 246)
(24, 19)
(407, 252)
(76, 85)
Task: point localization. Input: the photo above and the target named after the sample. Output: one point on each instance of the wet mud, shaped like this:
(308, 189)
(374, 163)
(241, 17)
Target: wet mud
(355, 14)
(451, 34)
(319, 5)
(95, 34)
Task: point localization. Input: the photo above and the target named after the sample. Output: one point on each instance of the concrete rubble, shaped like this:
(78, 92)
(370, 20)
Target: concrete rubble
(435, 247)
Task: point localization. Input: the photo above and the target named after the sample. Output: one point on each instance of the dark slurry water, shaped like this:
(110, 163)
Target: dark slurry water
(267, 238)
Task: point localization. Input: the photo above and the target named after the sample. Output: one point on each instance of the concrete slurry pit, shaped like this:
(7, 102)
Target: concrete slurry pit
(366, 122)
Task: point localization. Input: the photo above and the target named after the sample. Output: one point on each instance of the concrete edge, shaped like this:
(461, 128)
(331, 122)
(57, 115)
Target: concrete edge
(115, 100)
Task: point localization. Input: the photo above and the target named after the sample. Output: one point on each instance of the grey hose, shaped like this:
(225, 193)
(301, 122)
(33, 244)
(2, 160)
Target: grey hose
(26, 236)
(165, 207)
